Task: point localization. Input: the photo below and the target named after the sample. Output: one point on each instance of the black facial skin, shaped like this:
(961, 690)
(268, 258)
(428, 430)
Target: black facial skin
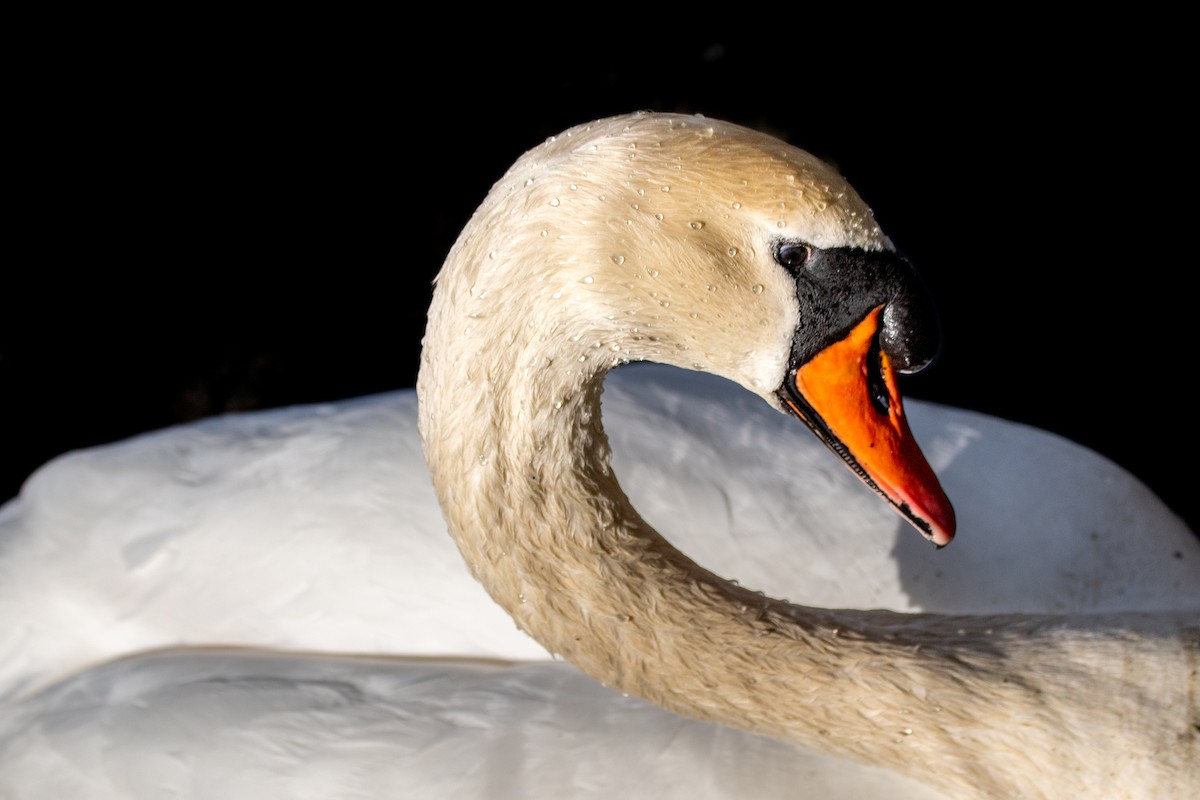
(838, 287)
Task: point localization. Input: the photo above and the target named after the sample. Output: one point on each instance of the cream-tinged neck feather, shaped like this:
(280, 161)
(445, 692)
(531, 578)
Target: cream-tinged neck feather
(649, 237)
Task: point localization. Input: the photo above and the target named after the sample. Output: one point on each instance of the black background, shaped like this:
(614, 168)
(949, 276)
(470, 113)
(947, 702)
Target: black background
(217, 225)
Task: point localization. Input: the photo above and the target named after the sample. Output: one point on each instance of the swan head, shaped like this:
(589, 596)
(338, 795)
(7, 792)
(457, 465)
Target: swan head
(705, 245)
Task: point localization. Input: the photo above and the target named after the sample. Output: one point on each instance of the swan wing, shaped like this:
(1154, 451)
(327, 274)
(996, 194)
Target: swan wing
(202, 725)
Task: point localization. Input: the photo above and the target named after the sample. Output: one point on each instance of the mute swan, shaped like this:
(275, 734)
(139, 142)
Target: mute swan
(155, 546)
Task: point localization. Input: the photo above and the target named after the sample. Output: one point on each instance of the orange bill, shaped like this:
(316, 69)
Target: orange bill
(848, 395)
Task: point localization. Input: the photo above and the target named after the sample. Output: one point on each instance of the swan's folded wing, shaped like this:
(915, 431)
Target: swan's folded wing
(196, 726)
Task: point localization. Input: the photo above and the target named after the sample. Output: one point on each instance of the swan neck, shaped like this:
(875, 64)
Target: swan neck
(541, 520)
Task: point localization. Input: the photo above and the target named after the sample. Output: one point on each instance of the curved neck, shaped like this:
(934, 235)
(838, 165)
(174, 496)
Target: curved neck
(979, 706)
(650, 238)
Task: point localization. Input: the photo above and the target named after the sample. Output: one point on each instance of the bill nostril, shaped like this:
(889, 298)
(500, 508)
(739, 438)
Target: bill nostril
(877, 389)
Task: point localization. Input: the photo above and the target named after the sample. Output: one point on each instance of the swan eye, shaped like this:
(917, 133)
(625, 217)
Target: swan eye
(792, 255)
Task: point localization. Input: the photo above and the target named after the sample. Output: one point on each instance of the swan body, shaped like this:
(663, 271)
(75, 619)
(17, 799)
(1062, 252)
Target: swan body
(324, 527)
(586, 256)
(712, 466)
